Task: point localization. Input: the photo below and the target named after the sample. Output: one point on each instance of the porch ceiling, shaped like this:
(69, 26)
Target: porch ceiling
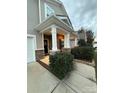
(59, 31)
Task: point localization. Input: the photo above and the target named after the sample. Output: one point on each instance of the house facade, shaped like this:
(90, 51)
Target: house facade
(49, 28)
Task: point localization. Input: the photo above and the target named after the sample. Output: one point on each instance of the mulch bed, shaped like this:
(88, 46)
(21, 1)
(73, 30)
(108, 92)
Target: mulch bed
(85, 62)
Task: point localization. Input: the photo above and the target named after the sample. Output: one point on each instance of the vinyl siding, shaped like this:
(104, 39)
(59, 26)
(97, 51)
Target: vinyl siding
(33, 20)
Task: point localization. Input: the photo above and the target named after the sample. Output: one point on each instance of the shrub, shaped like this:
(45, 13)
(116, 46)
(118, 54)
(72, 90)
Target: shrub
(83, 53)
(61, 64)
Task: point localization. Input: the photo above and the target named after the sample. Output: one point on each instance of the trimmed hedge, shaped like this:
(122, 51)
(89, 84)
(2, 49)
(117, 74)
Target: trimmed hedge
(83, 53)
(61, 64)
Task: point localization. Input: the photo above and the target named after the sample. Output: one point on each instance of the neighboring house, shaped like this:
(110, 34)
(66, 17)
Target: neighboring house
(95, 42)
(82, 34)
(49, 28)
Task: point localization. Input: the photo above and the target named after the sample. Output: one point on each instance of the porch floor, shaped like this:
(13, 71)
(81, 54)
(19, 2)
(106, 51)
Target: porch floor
(45, 59)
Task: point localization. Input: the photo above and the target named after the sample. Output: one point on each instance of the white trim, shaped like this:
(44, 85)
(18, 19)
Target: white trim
(34, 39)
(54, 20)
(30, 35)
(39, 49)
(64, 17)
(45, 30)
(62, 29)
(51, 18)
(39, 8)
(58, 1)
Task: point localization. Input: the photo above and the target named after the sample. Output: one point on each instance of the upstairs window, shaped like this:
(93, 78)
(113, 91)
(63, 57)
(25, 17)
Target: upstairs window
(65, 19)
(48, 11)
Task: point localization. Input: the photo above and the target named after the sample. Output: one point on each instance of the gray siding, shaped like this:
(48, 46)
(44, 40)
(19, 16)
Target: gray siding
(33, 20)
(33, 16)
(59, 9)
(42, 10)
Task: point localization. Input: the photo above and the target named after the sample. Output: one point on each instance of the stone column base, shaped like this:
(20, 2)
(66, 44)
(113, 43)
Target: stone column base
(52, 52)
(66, 50)
(39, 54)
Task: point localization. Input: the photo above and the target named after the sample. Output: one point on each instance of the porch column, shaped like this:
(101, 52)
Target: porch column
(76, 41)
(54, 38)
(67, 40)
(42, 37)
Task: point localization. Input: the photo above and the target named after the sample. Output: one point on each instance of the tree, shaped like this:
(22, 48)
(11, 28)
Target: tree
(81, 42)
(82, 33)
(90, 37)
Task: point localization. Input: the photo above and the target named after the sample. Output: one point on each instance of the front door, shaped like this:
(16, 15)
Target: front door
(61, 44)
(46, 46)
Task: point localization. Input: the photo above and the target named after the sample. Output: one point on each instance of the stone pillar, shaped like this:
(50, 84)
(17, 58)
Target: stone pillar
(54, 38)
(39, 54)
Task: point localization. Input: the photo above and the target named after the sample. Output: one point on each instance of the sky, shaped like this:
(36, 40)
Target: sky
(82, 13)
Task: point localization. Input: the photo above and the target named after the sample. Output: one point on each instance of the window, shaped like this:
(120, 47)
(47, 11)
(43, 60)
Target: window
(58, 1)
(48, 11)
(65, 19)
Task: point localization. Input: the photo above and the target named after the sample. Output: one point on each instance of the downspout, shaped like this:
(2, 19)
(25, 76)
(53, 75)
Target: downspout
(39, 6)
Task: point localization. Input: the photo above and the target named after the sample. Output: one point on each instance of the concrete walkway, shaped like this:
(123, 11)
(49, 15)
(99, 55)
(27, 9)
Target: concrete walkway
(40, 80)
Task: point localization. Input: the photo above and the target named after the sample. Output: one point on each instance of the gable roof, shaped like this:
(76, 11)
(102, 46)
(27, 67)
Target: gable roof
(53, 20)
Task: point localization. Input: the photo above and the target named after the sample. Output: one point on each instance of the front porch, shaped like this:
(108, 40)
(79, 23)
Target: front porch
(45, 60)
(55, 39)
(55, 36)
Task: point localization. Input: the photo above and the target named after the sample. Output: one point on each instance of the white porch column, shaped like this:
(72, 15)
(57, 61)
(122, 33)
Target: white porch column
(54, 38)
(67, 40)
(42, 37)
(76, 41)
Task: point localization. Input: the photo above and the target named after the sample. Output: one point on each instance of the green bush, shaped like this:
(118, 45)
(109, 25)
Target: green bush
(61, 64)
(83, 53)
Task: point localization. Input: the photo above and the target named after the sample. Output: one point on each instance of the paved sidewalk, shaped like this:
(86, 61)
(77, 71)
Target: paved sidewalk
(85, 70)
(40, 80)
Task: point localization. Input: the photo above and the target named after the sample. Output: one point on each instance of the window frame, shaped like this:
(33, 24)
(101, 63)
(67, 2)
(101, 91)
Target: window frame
(65, 17)
(46, 10)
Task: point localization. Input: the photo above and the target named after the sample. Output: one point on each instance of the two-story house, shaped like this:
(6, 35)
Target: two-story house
(49, 28)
